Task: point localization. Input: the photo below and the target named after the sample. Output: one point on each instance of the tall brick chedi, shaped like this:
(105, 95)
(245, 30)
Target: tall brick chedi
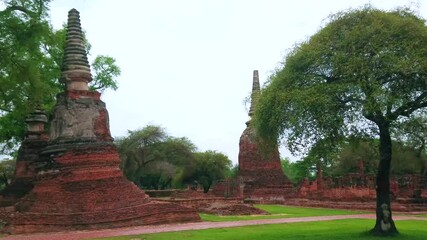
(80, 185)
(260, 170)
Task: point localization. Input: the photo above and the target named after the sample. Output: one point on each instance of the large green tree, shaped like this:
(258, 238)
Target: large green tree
(154, 160)
(363, 73)
(31, 56)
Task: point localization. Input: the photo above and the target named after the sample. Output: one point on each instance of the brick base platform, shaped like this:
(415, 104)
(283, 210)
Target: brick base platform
(85, 189)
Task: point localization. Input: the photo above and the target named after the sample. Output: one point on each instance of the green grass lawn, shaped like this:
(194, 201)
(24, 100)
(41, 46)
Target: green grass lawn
(348, 229)
(279, 211)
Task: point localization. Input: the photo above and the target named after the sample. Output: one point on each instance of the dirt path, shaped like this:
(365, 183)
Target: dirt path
(185, 226)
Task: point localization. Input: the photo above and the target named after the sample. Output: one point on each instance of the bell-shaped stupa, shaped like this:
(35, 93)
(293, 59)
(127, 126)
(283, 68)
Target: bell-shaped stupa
(79, 185)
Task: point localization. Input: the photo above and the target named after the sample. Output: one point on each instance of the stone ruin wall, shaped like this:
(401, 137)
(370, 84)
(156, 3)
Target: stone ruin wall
(357, 191)
(358, 187)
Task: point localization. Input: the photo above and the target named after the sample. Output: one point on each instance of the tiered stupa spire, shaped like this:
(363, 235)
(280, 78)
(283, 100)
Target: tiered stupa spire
(255, 92)
(260, 171)
(75, 66)
(79, 184)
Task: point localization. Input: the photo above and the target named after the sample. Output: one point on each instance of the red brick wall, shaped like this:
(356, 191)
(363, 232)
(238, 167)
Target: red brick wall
(85, 189)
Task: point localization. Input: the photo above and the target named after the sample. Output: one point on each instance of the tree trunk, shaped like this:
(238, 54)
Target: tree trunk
(384, 222)
(319, 176)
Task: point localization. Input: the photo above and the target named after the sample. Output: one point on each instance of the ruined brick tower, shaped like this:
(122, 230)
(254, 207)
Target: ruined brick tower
(79, 185)
(27, 160)
(260, 172)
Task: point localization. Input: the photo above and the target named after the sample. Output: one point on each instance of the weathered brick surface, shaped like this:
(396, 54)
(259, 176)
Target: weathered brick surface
(83, 117)
(76, 94)
(261, 173)
(228, 188)
(357, 191)
(87, 190)
(25, 171)
(194, 203)
(146, 214)
(260, 170)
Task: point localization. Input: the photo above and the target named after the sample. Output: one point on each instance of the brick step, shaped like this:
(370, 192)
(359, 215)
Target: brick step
(145, 214)
(92, 196)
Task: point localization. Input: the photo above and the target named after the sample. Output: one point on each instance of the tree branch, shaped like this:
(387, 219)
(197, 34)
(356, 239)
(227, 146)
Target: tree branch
(5, 110)
(410, 107)
(19, 8)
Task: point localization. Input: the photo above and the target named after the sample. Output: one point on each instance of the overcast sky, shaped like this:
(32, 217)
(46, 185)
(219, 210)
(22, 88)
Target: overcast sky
(187, 65)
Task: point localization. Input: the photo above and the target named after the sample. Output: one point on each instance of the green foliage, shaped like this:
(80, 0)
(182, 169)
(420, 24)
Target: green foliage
(366, 67)
(210, 167)
(22, 29)
(363, 74)
(232, 173)
(153, 160)
(106, 71)
(29, 74)
(406, 159)
(413, 134)
(298, 170)
(7, 170)
(320, 230)
(352, 152)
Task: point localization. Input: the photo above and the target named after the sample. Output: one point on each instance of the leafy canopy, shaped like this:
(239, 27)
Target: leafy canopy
(211, 166)
(364, 74)
(154, 160)
(365, 69)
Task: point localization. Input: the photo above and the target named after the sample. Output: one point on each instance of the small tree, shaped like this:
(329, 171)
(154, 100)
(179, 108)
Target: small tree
(211, 166)
(364, 73)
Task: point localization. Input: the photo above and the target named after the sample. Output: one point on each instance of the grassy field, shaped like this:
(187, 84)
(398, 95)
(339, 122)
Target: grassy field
(279, 211)
(348, 229)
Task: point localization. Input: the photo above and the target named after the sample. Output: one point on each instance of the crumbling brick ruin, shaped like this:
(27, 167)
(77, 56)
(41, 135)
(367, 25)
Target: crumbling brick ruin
(260, 172)
(27, 160)
(77, 181)
(357, 191)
